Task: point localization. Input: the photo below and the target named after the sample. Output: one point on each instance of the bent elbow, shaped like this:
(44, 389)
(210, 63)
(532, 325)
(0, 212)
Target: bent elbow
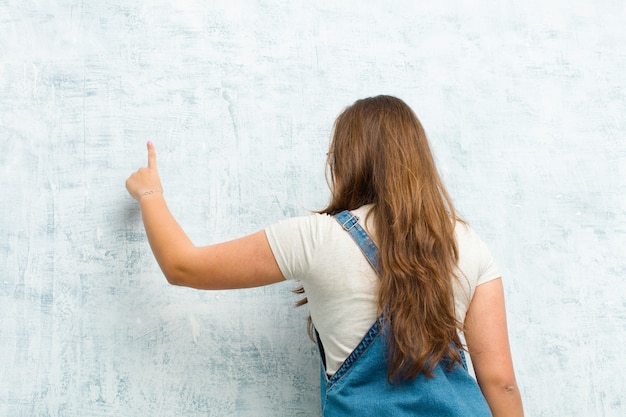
(183, 277)
(175, 275)
(175, 280)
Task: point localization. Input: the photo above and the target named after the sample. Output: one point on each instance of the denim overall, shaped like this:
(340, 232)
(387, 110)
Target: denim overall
(360, 387)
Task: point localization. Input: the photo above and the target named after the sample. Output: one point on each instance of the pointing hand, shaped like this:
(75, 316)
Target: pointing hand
(145, 180)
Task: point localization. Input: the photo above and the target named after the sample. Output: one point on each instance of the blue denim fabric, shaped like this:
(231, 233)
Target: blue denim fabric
(360, 386)
(350, 223)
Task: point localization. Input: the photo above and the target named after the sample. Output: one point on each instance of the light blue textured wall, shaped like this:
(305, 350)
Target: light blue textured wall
(524, 101)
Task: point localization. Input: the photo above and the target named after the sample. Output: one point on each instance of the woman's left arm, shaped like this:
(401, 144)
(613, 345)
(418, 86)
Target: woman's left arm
(241, 263)
(488, 344)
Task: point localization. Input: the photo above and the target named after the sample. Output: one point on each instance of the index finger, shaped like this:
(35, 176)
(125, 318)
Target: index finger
(151, 155)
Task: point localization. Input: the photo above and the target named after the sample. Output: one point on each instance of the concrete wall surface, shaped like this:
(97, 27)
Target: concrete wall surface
(523, 101)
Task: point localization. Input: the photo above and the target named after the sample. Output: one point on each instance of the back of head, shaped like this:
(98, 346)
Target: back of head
(380, 155)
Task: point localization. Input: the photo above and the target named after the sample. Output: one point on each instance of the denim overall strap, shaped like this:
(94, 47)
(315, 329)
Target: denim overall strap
(350, 223)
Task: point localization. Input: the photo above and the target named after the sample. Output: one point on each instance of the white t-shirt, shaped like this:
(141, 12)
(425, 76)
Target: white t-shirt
(342, 287)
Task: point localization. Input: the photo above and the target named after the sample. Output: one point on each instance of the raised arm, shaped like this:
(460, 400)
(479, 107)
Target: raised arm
(488, 344)
(241, 263)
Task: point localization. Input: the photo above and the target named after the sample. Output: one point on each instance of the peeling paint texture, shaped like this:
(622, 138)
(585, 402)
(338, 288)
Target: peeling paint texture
(525, 105)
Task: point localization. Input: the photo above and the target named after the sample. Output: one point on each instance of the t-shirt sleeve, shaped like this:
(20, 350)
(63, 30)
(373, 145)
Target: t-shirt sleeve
(488, 268)
(475, 259)
(292, 243)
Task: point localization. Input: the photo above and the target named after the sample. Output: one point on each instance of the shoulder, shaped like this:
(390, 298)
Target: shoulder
(302, 243)
(296, 241)
(475, 259)
(303, 227)
(468, 241)
(315, 226)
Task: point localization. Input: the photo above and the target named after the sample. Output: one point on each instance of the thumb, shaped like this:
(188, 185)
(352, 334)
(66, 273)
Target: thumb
(151, 155)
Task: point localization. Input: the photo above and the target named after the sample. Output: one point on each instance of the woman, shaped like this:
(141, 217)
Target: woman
(391, 275)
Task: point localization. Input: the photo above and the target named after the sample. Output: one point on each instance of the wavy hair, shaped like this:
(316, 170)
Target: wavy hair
(379, 154)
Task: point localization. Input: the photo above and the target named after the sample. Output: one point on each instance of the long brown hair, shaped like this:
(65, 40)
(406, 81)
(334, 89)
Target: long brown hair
(379, 155)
